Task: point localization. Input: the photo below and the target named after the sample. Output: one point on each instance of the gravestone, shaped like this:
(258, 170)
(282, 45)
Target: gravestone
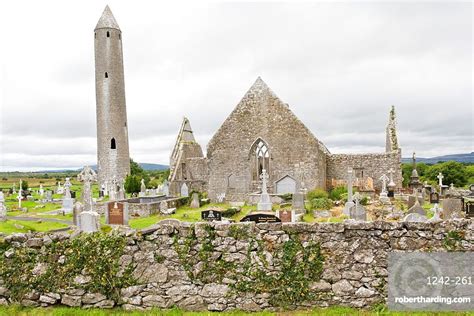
(211, 215)
(78, 208)
(412, 200)
(195, 201)
(49, 196)
(350, 202)
(117, 213)
(286, 216)
(41, 190)
(469, 206)
(415, 217)
(264, 203)
(452, 208)
(417, 208)
(3, 208)
(60, 189)
(436, 214)
(68, 201)
(384, 194)
(322, 214)
(166, 188)
(142, 189)
(297, 202)
(434, 197)
(357, 212)
(261, 218)
(391, 185)
(89, 222)
(184, 192)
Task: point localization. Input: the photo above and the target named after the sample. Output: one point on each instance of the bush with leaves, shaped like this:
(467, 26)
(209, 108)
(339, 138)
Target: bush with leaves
(337, 192)
(321, 204)
(317, 194)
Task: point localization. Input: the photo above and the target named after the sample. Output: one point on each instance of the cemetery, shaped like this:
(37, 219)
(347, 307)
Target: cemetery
(268, 220)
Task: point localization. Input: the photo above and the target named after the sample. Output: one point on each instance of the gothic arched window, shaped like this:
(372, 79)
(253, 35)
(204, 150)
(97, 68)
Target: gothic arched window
(112, 144)
(261, 159)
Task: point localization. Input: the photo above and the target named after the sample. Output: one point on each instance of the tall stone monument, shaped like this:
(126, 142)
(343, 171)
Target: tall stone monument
(3, 208)
(87, 175)
(350, 202)
(20, 195)
(68, 202)
(384, 194)
(113, 158)
(265, 204)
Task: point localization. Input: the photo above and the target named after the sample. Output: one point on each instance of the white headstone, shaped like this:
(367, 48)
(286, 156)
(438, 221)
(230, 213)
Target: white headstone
(357, 212)
(20, 195)
(265, 204)
(68, 202)
(384, 195)
(415, 217)
(195, 201)
(142, 188)
(184, 190)
(436, 216)
(89, 222)
(3, 208)
(220, 197)
(41, 190)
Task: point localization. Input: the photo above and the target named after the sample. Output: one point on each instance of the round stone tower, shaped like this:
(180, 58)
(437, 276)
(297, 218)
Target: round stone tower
(113, 158)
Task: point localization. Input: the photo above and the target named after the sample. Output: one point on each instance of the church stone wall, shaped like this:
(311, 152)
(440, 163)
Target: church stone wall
(373, 165)
(293, 150)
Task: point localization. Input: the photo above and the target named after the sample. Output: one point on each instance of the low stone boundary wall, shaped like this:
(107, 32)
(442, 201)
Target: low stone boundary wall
(212, 266)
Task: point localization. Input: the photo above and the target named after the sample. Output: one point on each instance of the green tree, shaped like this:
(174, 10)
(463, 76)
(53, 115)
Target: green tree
(137, 171)
(407, 169)
(24, 185)
(132, 184)
(453, 172)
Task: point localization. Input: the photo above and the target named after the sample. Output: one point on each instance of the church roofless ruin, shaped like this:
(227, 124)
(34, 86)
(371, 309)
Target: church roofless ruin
(260, 133)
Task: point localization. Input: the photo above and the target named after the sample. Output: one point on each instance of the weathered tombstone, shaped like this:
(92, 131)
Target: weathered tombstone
(434, 197)
(60, 189)
(20, 195)
(391, 185)
(264, 203)
(166, 188)
(41, 191)
(121, 192)
(3, 208)
(412, 199)
(49, 196)
(211, 215)
(142, 188)
(89, 222)
(350, 202)
(195, 201)
(357, 212)
(297, 202)
(469, 206)
(415, 217)
(436, 213)
(417, 208)
(322, 214)
(452, 208)
(68, 202)
(78, 208)
(184, 192)
(261, 218)
(117, 213)
(384, 194)
(286, 216)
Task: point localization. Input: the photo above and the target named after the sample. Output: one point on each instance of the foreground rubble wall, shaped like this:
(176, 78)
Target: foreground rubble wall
(211, 266)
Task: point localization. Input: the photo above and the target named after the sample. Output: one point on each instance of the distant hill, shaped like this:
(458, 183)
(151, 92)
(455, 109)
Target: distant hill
(466, 158)
(145, 166)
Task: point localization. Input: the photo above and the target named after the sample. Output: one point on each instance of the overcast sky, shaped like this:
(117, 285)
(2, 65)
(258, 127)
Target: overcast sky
(339, 66)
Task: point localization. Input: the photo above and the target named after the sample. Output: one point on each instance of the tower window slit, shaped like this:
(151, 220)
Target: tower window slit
(112, 144)
(108, 34)
(106, 75)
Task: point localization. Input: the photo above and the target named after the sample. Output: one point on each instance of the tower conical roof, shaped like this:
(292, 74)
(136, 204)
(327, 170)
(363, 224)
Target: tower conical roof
(107, 20)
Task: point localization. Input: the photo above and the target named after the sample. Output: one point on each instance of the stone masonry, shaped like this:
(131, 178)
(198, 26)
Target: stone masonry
(354, 270)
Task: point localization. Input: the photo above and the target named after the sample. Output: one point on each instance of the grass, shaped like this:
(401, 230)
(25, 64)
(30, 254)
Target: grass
(335, 310)
(9, 227)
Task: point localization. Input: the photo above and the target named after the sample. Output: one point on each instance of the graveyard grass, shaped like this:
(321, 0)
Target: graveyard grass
(9, 227)
(331, 311)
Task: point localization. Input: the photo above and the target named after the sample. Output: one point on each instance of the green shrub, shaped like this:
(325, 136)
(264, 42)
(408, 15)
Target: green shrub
(230, 212)
(364, 200)
(287, 196)
(132, 184)
(321, 204)
(337, 192)
(317, 194)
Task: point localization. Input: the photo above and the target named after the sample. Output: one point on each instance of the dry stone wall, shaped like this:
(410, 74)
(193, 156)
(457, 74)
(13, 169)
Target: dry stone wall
(236, 266)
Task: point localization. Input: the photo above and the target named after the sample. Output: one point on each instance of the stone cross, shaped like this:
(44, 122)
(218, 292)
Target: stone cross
(14, 188)
(41, 190)
(113, 190)
(440, 177)
(19, 195)
(264, 177)
(384, 180)
(349, 184)
(67, 186)
(436, 210)
(87, 175)
(356, 198)
(143, 186)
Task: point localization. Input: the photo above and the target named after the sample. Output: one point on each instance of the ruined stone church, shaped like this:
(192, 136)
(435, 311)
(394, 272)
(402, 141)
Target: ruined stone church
(263, 133)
